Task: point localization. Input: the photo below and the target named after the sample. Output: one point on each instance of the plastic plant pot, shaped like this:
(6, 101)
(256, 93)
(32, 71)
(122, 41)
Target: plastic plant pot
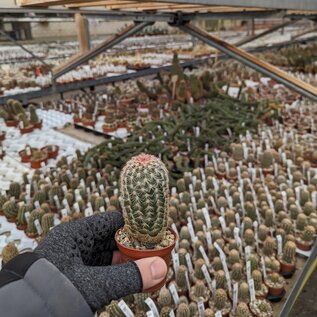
(12, 123)
(51, 154)
(36, 164)
(38, 125)
(27, 129)
(2, 135)
(130, 254)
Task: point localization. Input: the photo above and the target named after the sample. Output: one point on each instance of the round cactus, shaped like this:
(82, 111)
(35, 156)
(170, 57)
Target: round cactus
(165, 311)
(220, 298)
(289, 252)
(39, 196)
(308, 234)
(217, 264)
(9, 252)
(193, 309)
(301, 221)
(267, 159)
(144, 189)
(198, 272)
(199, 289)
(263, 230)
(236, 272)
(257, 277)
(183, 310)
(242, 310)
(249, 237)
(244, 292)
(269, 246)
(234, 257)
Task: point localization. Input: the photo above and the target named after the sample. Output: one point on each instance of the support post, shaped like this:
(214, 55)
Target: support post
(249, 39)
(82, 26)
(114, 40)
(265, 68)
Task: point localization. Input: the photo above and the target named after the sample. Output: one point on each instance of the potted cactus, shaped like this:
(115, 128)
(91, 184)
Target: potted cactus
(52, 151)
(220, 302)
(288, 259)
(267, 162)
(38, 157)
(9, 252)
(261, 308)
(275, 282)
(26, 154)
(34, 119)
(144, 197)
(199, 292)
(25, 125)
(306, 240)
(242, 310)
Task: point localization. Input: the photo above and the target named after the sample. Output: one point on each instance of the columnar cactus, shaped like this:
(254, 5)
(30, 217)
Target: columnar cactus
(47, 222)
(269, 246)
(164, 298)
(144, 189)
(10, 210)
(3, 199)
(140, 301)
(267, 159)
(193, 309)
(21, 220)
(200, 289)
(257, 277)
(289, 252)
(308, 234)
(263, 230)
(9, 252)
(114, 310)
(249, 237)
(236, 272)
(35, 214)
(220, 278)
(55, 190)
(15, 190)
(33, 115)
(244, 292)
(237, 152)
(301, 221)
(181, 277)
(198, 271)
(39, 196)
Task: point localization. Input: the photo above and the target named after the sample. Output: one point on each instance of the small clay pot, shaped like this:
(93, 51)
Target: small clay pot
(2, 136)
(38, 125)
(89, 123)
(24, 157)
(2, 155)
(287, 268)
(11, 123)
(51, 154)
(11, 220)
(27, 129)
(275, 291)
(77, 120)
(21, 227)
(36, 164)
(31, 235)
(109, 130)
(130, 254)
(303, 246)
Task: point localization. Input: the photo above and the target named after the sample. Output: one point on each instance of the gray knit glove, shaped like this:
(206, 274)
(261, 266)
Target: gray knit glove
(82, 251)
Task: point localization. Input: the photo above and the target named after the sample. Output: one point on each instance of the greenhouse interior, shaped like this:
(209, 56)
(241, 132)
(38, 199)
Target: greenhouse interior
(158, 159)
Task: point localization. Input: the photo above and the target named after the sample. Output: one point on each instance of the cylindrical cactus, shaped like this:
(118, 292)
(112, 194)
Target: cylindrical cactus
(257, 277)
(35, 214)
(234, 257)
(39, 196)
(198, 271)
(249, 237)
(237, 152)
(144, 189)
(15, 190)
(242, 310)
(181, 276)
(193, 309)
(244, 292)
(267, 159)
(47, 222)
(10, 209)
(21, 220)
(217, 264)
(308, 234)
(199, 289)
(140, 301)
(114, 310)
(269, 246)
(164, 298)
(220, 278)
(289, 252)
(301, 221)
(9, 252)
(263, 230)
(236, 272)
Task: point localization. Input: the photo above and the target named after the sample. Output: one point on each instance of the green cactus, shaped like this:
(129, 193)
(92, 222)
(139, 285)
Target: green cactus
(15, 190)
(21, 220)
(308, 208)
(197, 267)
(220, 299)
(55, 190)
(217, 264)
(10, 209)
(199, 289)
(99, 202)
(193, 309)
(263, 231)
(140, 301)
(267, 159)
(234, 257)
(39, 196)
(250, 210)
(35, 214)
(22, 118)
(181, 277)
(308, 234)
(181, 186)
(3, 199)
(287, 225)
(220, 278)
(164, 298)
(183, 310)
(144, 189)
(269, 221)
(242, 310)
(244, 292)
(257, 277)
(165, 311)
(33, 115)
(9, 252)
(114, 310)
(249, 237)
(304, 197)
(236, 272)
(47, 222)
(237, 152)
(289, 252)
(269, 246)
(254, 262)
(301, 221)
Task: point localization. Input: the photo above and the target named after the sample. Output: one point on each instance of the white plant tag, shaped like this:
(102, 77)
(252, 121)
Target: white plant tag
(88, 212)
(64, 188)
(38, 226)
(238, 220)
(64, 212)
(37, 204)
(228, 278)
(207, 275)
(314, 199)
(172, 314)
(27, 216)
(58, 205)
(208, 238)
(252, 290)
(223, 224)
(218, 314)
(235, 295)
(66, 205)
(201, 309)
(149, 314)
(102, 209)
(175, 261)
(174, 293)
(248, 270)
(189, 263)
(151, 304)
(187, 280)
(98, 175)
(263, 267)
(191, 230)
(101, 188)
(279, 244)
(247, 251)
(76, 206)
(207, 217)
(203, 253)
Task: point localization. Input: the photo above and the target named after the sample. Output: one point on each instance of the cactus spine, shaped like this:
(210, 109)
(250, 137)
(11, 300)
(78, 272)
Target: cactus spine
(9, 252)
(144, 189)
(10, 209)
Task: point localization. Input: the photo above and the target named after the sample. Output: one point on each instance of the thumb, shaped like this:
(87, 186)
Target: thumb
(153, 271)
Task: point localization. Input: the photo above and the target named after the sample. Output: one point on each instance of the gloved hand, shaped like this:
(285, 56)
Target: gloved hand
(84, 251)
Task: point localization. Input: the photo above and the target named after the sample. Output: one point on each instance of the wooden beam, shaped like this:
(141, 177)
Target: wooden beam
(95, 3)
(82, 32)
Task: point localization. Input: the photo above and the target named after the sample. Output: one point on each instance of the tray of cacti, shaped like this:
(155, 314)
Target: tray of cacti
(145, 233)
(52, 151)
(38, 159)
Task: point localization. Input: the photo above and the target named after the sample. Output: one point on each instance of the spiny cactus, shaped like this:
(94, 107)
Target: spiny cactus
(184, 233)
(234, 257)
(198, 272)
(267, 159)
(236, 272)
(244, 292)
(308, 234)
(35, 214)
(249, 237)
(217, 264)
(144, 189)
(250, 210)
(181, 186)
(3, 199)
(257, 277)
(9, 252)
(164, 298)
(21, 220)
(242, 310)
(289, 252)
(263, 230)
(220, 298)
(304, 197)
(237, 152)
(269, 246)
(193, 309)
(10, 209)
(140, 303)
(55, 190)
(47, 222)
(301, 221)
(181, 277)
(15, 190)
(220, 278)
(200, 290)
(269, 221)
(183, 310)
(33, 115)
(114, 310)
(39, 196)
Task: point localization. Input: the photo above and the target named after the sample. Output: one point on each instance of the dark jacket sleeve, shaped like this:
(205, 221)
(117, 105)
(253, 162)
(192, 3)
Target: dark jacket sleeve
(31, 286)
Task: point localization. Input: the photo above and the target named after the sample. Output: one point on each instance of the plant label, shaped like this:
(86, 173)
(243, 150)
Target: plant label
(64, 212)
(38, 226)
(66, 205)
(238, 220)
(57, 203)
(88, 212)
(191, 230)
(209, 239)
(189, 263)
(205, 257)
(279, 244)
(248, 270)
(175, 261)
(235, 295)
(314, 199)
(27, 216)
(172, 314)
(201, 309)
(76, 206)
(64, 188)
(223, 224)
(187, 280)
(263, 267)
(207, 275)
(174, 293)
(218, 314)
(228, 278)
(151, 304)
(247, 251)
(102, 209)
(37, 204)
(207, 217)
(252, 290)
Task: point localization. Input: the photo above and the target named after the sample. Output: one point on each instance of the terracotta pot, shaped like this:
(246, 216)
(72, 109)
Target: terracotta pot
(109, 130)
(88, 116)
(129, 254)
(11, 220)
(302, 246)
(2, 155)
(89, 123)
(27, 130)
(274, 291)
(287, 268)
(21, 227)
(31, 235)
(38, 125)
(2, 136)
(24, 157)
(37, 163)
(12, 123)
(51, 154)
(77, 120)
